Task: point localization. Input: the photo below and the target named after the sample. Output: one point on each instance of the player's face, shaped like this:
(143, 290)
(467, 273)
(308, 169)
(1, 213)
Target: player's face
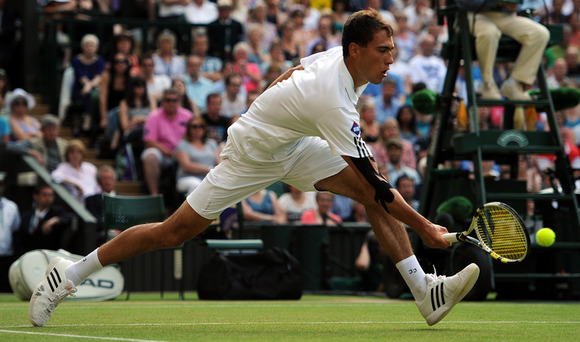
(373, 60)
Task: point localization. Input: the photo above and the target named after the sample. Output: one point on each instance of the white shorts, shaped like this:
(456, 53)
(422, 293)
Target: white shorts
(234, 179)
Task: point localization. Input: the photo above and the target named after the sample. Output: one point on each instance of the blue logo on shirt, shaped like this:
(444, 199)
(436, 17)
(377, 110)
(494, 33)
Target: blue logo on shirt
(355, 128)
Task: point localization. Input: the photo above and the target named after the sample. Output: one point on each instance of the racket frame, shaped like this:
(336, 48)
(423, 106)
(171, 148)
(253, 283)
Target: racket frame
(464, 236)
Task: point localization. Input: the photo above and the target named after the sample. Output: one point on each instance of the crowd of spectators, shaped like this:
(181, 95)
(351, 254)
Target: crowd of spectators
(173, 103)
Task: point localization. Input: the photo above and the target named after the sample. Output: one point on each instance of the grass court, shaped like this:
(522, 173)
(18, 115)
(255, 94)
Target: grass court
(146, 317)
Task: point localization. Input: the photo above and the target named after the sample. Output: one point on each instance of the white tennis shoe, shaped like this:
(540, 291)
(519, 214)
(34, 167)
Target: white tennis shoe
(444, 292)
(50, 292)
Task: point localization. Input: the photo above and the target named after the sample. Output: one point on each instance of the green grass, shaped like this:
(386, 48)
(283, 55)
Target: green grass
(313, 318)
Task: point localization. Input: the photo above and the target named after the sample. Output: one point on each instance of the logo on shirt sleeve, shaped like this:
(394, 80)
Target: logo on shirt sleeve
(355, 128)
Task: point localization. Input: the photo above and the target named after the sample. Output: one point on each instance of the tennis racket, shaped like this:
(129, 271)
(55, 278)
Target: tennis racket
(499, 231)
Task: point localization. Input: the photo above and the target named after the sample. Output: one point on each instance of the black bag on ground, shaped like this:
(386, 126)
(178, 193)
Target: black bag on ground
(272, 274)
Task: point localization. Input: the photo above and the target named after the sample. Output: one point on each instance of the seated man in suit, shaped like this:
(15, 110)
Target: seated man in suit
(107, 179)
(45, 226)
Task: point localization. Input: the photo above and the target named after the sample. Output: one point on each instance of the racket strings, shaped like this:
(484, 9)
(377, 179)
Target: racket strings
(502, 232)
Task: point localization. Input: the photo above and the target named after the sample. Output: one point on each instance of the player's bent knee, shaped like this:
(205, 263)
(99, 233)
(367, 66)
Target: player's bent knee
(172, 237)
(182, 226)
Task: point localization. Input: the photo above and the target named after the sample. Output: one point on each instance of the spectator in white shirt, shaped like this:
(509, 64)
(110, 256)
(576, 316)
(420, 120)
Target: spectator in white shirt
(427, 67)
(156, 84)
(9, 223)
(200, 12)
(78, 176)
(233, 102)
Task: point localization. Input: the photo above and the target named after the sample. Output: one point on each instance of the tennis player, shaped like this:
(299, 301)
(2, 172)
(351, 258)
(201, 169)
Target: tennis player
(303, 130)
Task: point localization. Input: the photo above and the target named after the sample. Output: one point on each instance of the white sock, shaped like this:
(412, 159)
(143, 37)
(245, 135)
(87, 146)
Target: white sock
(414, 276)
(82, 269)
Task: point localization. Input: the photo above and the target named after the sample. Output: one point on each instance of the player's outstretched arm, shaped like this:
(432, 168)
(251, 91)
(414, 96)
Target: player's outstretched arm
(394, 204)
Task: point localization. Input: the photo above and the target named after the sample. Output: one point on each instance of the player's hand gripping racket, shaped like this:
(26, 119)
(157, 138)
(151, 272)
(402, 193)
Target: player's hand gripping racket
(499, 231)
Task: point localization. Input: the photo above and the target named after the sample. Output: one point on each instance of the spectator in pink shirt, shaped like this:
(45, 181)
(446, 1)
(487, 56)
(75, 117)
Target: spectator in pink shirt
(321, 215)
(163, 130)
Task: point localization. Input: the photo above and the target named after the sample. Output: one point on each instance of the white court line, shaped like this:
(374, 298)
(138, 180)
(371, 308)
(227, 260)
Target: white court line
(75, 336)
(292, 323)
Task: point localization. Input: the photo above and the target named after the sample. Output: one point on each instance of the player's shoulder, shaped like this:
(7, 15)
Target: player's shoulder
(322, 57)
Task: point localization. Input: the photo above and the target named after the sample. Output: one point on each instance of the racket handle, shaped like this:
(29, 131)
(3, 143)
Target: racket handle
(451, 237)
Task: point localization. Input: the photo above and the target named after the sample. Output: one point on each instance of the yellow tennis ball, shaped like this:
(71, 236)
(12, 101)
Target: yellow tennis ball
(545, 237)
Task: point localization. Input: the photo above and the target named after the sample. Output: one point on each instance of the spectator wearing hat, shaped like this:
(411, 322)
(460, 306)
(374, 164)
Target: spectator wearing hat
(224, 32)
(49, 148)
(22, 125)
(395, 168)
(9, 221)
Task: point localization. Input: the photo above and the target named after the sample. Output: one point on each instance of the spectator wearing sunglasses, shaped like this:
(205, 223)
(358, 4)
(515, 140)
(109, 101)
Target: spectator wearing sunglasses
(196, 155)
(163, 130)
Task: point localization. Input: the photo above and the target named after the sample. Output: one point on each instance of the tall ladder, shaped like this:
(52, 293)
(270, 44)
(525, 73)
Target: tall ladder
(502, 146)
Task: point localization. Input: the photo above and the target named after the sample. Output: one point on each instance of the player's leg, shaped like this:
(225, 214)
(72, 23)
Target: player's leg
(180, 227)
(435, 296)
(316, 167)
(389, 231)
(226, 185)
(63, 275)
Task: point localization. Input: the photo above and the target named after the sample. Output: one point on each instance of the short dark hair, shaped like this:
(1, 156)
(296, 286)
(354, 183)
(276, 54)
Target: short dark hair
(403, 177)
(360, 28)
(212, 95)
(229, 78)
(145, 56)
(41, 186)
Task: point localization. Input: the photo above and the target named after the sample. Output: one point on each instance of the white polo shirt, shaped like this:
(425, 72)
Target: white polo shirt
(318, 101)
